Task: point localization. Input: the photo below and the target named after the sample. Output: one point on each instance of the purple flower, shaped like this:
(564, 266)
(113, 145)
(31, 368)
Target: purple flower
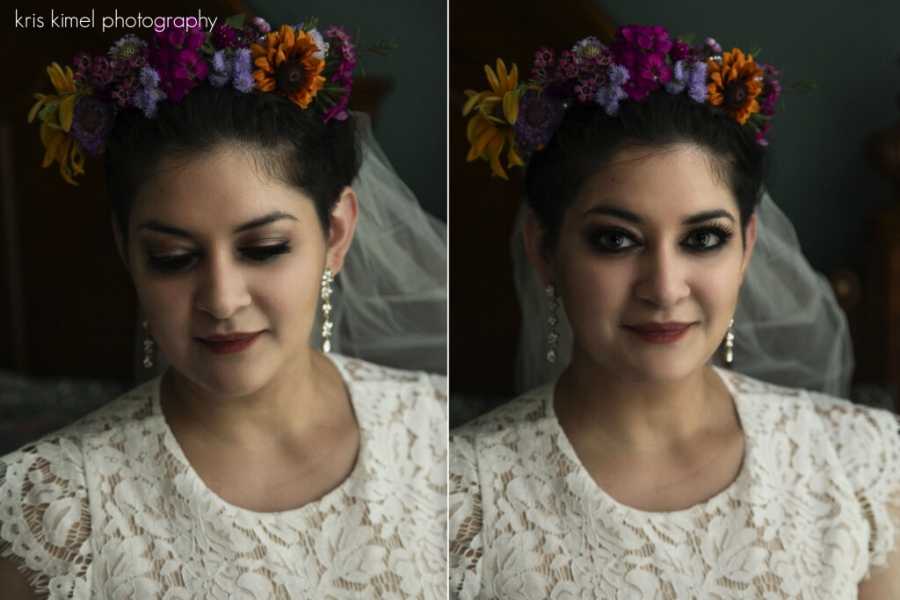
(225, 36)
(696, 81)
(680, 51)
(713, 45)
(588, 48)
(91, 122)
(262, 24)
(544, 60)
(677, 83)
(586, 89)
(124, 92)
(338, 111)
(221, 69)
(243, 71)
(617, 76)
(567, 68)
(149, 78)
(609, 96)
(539, 118)
(177, 61)
(319, 41)
(149, 93)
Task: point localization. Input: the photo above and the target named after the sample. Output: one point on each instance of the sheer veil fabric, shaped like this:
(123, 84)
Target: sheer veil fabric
(788, 327)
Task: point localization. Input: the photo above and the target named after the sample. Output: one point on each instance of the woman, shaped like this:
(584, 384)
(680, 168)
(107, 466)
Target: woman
(643, 471)
(256, 466)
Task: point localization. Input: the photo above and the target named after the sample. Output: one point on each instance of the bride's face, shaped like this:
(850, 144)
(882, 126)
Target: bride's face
(649, 261)
(227, 264)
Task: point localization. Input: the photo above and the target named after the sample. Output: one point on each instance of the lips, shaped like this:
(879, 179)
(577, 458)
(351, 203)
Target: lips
(229, 343)
(660, 333)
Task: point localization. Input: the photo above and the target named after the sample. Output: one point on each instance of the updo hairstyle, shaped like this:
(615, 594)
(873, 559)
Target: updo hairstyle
(588, 140)
(287, 143)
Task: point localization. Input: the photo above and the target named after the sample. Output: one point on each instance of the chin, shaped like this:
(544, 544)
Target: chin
(659, 368)
(232, 380)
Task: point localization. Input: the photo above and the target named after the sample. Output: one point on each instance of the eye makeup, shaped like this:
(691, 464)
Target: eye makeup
(178, 262)
(613, 240)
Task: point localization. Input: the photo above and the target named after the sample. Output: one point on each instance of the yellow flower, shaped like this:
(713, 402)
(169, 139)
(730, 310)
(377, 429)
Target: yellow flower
(288, 67)
(56, 112)
(490, 128)
(734, 84)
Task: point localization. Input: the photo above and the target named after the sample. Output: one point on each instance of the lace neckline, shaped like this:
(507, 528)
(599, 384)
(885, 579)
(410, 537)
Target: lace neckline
(719, 500)
(192, 485)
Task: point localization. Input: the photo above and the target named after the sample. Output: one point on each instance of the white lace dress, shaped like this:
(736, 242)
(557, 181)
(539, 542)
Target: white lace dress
(812, 512)
(110, 508)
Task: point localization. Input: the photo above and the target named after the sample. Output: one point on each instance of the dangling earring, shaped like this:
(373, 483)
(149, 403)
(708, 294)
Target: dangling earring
(148, 347)
(327, 280)
(553, 338)
(729, 343)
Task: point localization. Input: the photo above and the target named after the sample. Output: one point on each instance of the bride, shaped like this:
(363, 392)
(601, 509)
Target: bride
(643, 469)
(256, 465)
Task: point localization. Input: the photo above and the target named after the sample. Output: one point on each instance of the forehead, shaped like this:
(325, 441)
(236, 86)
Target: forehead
(225, 187)
(673, 182)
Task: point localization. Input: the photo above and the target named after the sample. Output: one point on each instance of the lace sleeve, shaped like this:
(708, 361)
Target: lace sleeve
(868, 444)
(465, 521)
(44, 517)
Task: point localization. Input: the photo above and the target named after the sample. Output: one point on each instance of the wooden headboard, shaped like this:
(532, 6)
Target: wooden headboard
(484, 314)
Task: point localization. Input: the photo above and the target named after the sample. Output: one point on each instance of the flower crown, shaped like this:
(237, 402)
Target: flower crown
(524, 116)
(312, 68)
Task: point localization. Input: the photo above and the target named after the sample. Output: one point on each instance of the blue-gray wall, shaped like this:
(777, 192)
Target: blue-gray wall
(412, 119)
(850, 47)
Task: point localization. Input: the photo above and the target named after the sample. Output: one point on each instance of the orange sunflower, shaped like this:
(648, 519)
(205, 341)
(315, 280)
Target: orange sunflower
(288, 66)
(490, 129)
(734, 84)
(56, 121)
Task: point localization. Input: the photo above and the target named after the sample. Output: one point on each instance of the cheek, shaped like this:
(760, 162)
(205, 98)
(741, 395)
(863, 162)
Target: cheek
(593, 287)
(290, 288)
(716, 285)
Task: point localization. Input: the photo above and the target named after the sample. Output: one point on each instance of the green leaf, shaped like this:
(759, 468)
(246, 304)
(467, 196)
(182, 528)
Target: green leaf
(236, 21)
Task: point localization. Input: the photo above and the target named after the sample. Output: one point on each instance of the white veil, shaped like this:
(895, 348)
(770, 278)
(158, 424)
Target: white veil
(389, 304)
(390, 299)
(788, 327)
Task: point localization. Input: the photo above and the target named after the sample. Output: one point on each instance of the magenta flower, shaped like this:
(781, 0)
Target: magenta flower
(177, 61)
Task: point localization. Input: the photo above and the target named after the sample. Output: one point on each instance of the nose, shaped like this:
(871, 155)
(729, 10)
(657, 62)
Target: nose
(222, 289)
(662, 277)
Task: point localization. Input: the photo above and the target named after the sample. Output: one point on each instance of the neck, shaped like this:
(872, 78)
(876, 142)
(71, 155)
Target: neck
(293, 402)
(606, 406)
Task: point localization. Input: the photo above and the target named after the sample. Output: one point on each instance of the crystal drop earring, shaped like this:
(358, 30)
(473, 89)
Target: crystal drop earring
(327, 280)
(729, 343)
(148, 347)
(553, 337)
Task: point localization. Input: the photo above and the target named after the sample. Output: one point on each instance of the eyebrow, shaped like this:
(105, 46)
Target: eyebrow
(631, 217)
(272, 217)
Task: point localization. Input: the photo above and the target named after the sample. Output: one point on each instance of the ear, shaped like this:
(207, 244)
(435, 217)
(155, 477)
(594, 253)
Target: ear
(536, 247)
(343, 224)
(749, 242)
(120, 241)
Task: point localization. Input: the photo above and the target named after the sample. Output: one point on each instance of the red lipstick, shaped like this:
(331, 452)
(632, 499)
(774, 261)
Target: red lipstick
(660, 333)
(230, 343)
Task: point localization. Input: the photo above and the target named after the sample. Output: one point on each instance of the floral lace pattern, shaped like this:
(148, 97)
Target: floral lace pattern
(813, 511)
(109, 507)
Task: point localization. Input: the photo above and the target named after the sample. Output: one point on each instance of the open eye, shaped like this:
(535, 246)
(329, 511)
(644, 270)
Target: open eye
(612, 241)
(707, 239)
